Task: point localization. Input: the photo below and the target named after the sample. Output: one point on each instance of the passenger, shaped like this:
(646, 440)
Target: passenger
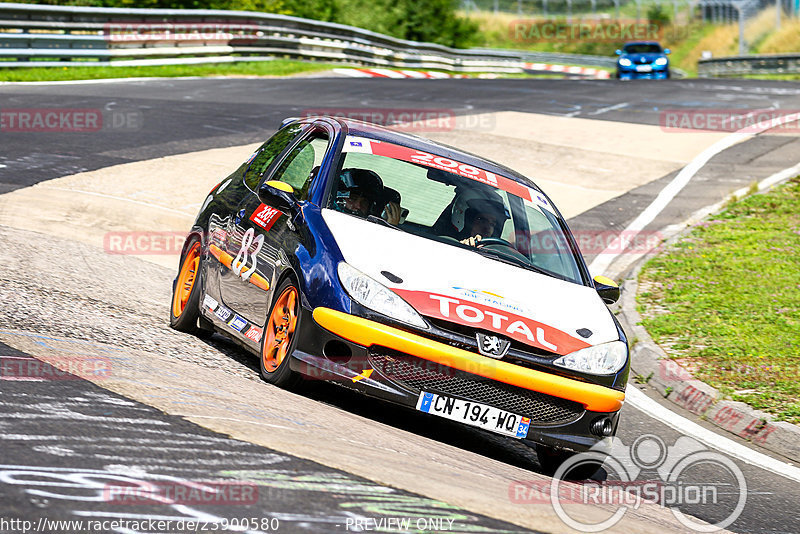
(359, 189)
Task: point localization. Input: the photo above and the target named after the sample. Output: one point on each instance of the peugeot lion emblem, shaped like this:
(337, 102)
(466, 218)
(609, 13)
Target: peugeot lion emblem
(492, 346)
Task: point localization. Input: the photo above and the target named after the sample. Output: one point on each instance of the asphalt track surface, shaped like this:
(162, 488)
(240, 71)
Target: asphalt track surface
(176, 116)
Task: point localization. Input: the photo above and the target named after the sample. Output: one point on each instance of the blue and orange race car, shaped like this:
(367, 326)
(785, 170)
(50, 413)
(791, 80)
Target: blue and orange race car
(412, 272)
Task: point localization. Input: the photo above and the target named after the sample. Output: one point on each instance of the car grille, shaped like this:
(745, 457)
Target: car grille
(417, 374)
(469, 333)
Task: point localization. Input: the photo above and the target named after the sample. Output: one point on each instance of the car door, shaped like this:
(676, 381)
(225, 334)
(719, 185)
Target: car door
(261, 236)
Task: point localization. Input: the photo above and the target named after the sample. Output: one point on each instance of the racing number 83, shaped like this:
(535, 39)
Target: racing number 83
(240, 260)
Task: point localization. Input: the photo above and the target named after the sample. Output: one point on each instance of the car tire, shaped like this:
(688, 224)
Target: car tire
(279, 339)
(551, 459)
(185, 304)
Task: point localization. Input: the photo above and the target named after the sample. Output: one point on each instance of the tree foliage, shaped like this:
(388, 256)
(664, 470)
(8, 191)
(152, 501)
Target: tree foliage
(433, 21)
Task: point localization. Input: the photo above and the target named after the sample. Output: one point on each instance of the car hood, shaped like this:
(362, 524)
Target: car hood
(460, 286)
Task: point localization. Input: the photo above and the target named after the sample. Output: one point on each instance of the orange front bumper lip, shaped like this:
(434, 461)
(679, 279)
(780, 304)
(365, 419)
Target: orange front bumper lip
(594, 397)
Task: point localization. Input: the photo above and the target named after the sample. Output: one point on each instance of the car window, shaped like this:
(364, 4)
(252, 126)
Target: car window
(643, 49)
(301, 164)
(267, 153)
(450, 202)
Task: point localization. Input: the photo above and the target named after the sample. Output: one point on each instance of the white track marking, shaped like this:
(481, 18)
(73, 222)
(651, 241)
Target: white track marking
(609, 108)
(651, 408)
(123, 199)
(603, 260)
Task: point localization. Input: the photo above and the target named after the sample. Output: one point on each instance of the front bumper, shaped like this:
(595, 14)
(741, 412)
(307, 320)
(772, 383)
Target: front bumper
(630, 73)
(397, 365)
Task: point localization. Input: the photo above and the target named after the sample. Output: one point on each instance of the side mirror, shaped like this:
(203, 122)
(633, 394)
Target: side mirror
(278, 195)
(607, 289)
(667, 51)
(618, 52)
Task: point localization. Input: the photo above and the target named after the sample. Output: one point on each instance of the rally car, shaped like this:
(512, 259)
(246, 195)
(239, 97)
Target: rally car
(412, 272)
(643, 59)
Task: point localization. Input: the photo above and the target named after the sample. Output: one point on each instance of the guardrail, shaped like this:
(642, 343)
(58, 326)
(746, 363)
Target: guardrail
(38, 35)
(739, 65)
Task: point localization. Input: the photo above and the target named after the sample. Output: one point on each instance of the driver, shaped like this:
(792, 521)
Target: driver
(359, 189)
(478, 215)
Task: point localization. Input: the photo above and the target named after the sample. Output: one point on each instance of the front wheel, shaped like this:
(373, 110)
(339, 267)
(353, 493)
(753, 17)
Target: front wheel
(185, 307)
(279, 337)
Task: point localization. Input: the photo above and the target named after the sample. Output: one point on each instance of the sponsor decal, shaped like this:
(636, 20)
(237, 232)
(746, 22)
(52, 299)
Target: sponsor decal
(237, 323)
(489, 299)
(483, 317)
(210, 302)
(265, 216)
(355, 143)
(254, 333)
(455, 167)
(223, 313)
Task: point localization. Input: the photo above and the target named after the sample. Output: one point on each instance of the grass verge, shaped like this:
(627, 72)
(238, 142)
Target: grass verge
(725, 301)
(278, 67)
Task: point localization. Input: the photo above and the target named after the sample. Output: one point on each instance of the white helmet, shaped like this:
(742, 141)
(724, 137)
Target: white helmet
(479, 200)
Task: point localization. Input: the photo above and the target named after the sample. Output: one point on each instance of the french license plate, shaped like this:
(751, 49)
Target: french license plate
(643, 68)
(475, 414)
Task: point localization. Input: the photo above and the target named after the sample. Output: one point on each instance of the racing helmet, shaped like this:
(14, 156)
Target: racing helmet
(471, 202)
(360, 182)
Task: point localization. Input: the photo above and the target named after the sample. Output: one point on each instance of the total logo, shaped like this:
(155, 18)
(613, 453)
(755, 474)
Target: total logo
(477, 316)
(483, 317)
(254, 333)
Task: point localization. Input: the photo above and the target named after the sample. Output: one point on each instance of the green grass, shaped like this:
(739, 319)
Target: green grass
(725, 301)
(278, 67)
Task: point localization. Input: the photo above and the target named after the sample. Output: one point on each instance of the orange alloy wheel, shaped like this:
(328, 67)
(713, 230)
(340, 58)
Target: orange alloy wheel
(186, 279)
(279, 331)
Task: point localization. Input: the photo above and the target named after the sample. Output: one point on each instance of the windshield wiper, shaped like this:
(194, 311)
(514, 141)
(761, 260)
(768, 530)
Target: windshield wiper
(511, 260)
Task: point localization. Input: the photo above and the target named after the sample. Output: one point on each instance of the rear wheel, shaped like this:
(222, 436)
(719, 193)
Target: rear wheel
(279, 337)
(185, 308)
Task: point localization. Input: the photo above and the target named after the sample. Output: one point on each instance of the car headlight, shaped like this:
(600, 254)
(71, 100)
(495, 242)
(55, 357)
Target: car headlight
(377, 297)
(661, 61)
(603, 359)
(625, 62)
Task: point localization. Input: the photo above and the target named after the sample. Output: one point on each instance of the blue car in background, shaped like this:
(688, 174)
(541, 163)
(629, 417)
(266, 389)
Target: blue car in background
(642, 59)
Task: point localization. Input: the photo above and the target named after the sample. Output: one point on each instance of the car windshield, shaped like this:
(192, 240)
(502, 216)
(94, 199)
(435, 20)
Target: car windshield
(450, 202)
(643, 48)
